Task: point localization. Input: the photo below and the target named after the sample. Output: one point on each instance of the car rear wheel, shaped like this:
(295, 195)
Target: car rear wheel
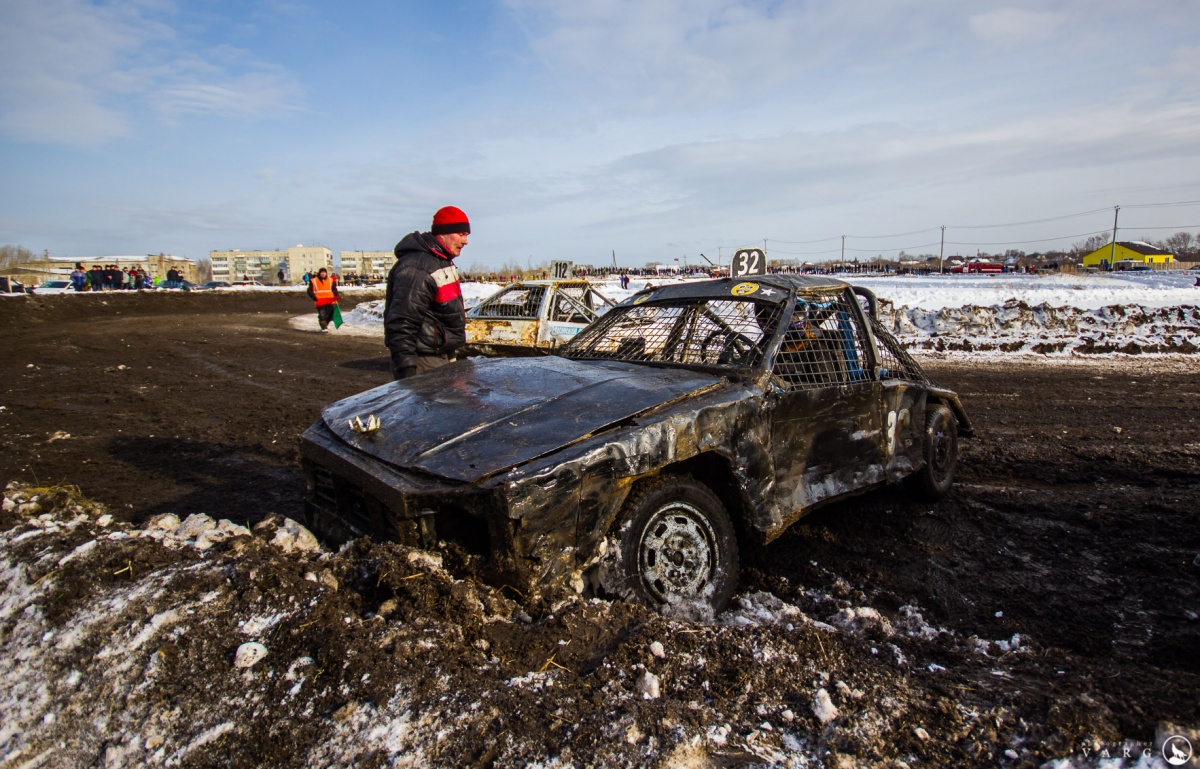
(934, 480)
(678, 546)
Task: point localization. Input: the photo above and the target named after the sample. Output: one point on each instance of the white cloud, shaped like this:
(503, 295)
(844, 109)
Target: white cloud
(672, 53)
(610, 124)
(74, 72)
(57, 58)
(1176, 76)
(1016, 25)
(250, 94)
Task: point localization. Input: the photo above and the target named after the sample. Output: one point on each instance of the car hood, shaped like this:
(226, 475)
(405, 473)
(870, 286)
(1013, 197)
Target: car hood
(481, 416)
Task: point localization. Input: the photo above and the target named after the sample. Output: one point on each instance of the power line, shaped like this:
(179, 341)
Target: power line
(1023, 242)
(909, 248)
(905, 248)
(859, 237)
(1163, 205)
(805, 253)
(897, 235)
(1033, 221)
(1172, 227)
(804, 242)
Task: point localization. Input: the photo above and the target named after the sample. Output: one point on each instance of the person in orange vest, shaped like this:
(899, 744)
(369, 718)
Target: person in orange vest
(323, 290)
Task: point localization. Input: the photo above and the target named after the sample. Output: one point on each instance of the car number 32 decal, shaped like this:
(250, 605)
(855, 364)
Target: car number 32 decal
(749, 261)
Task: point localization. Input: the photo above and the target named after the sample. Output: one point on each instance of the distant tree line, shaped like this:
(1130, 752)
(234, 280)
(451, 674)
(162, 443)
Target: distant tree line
(1184, 245)
(11, 256)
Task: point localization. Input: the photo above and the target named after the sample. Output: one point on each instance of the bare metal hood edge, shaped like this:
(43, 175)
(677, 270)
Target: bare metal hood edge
(478, 417)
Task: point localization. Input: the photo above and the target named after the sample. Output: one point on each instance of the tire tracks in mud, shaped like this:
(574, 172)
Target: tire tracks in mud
(1080, 545)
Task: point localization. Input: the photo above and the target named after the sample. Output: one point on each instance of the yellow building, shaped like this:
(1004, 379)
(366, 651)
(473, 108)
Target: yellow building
(155, 265)
(1126, 254)
(264, 266)
(367, 263)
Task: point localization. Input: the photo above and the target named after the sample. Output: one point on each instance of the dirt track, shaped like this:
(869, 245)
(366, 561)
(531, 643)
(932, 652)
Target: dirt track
(1073, 526)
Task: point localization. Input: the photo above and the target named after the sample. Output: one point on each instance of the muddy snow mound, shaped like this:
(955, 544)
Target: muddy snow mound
(1014, 326)
(199, 642)
(1017, 327)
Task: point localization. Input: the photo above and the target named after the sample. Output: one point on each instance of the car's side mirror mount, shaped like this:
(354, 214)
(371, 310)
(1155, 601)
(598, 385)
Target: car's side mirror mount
(869, 295)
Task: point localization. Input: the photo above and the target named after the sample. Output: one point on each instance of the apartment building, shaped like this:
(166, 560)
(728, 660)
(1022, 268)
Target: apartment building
(365, 263)
(264, 266)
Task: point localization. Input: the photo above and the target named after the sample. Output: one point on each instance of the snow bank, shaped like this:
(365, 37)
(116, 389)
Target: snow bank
(1036, 315)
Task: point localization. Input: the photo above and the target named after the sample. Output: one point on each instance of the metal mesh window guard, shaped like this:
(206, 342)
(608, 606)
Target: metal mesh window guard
(714, 332)
(569, 307)
(515, 303)
(894, 360)
(823, 345)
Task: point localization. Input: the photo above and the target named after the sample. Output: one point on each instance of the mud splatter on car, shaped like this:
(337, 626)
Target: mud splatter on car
(632, 461)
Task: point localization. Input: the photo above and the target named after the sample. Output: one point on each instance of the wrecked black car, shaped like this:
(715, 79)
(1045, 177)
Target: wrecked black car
(633, 460)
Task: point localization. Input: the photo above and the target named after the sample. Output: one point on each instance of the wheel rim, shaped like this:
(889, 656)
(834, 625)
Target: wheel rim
(677, 554)
(941, 450)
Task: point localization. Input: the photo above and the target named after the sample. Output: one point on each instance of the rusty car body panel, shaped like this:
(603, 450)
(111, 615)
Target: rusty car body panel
(533, 317)
(781, 394)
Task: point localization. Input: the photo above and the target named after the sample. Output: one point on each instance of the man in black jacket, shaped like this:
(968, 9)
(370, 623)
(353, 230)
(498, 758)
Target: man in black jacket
(424, 323)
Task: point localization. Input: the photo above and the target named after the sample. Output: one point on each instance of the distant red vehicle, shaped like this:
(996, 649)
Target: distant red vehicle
(979, 266)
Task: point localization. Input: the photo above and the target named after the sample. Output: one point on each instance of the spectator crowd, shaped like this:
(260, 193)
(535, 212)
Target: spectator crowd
(111, 277)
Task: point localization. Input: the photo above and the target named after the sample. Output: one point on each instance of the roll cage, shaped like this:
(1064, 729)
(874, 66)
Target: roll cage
(807, 336)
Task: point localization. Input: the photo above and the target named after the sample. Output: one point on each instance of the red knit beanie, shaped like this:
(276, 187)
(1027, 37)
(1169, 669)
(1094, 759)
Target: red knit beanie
(450, 219)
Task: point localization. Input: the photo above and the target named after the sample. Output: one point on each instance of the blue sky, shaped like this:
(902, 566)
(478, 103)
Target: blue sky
(658, 129)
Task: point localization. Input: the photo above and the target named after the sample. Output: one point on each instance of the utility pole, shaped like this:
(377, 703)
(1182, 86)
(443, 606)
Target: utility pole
(942, 253)
(1112, 254)
(842, 265)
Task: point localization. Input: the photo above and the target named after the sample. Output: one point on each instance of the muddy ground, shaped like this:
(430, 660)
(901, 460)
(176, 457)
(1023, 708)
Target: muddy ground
(1047, 609)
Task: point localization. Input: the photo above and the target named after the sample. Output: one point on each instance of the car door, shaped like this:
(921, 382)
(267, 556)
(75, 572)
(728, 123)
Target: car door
(903, 396)
(565, 314)
(827, 438)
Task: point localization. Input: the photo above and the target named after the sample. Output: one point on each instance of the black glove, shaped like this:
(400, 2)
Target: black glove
(406, 372)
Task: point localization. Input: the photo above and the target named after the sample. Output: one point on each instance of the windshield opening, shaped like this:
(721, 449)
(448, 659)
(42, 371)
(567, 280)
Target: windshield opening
(713, 332)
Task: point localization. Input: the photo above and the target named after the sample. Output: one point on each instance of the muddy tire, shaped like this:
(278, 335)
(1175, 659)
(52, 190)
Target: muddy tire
(934, 480)
(678, 546)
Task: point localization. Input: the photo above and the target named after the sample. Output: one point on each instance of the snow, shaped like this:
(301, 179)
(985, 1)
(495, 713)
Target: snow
(1051, 315)
(249, 653)
(1167, 288)
(1154, 307)
(1085, 291)
(649, 686)
(823, 707)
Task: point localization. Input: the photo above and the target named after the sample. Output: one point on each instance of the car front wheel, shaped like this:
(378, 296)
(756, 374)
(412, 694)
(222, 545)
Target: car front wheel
(678, 546)
(934, 480)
